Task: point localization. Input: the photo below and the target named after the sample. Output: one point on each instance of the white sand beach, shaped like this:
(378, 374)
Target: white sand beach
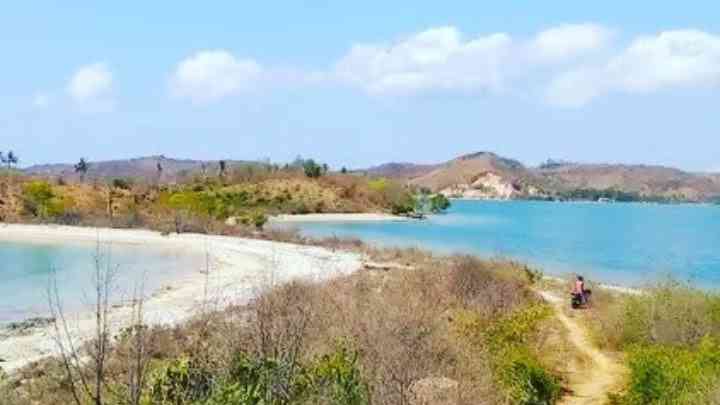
(238, 269)
(362, 217)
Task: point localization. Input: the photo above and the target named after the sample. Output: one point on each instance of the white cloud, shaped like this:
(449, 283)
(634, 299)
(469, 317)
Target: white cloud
(41, 100)
(575, 88)
(671, 59)
(569, 41)
(442, 59)
(436, 59)
(90, 83)
(567, 65)
(213, 74)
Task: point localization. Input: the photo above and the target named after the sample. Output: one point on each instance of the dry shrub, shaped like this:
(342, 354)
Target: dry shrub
(279, 321)
(669, 313)
(400, 322)
(486, 286)
(670, 335)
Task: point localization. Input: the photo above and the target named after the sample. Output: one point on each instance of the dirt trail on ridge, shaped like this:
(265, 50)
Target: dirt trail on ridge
(600, 376)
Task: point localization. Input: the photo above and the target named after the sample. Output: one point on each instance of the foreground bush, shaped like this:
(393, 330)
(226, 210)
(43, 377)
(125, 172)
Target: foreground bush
(368, 338)
(662, 374)
(509, 343)
(670, 336)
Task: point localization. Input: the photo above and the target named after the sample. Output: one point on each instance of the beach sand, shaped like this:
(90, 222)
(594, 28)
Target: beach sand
(366, 217)
(238, 270)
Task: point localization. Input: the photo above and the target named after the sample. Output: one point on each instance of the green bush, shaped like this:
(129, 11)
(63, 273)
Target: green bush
(40, 200)
(507, 340)
(334, 378)
(123, 184)
(178, 382)
(525, 379)
(259, 219)
(669, 335)
(262, 381)
(337, 378)
(312, 169)
(663, 374)
(519, 370)
(402, 206)
(439, 203)
(670, 313)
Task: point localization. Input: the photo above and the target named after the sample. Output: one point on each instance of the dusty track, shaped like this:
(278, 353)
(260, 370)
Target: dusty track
(599, 376)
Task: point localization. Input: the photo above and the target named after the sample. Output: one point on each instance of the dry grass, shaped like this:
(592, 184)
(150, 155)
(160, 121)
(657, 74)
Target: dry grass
(400, 322)
(137, 204)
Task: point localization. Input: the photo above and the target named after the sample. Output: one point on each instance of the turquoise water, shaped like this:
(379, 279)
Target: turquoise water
(628, 244)
(25, 271)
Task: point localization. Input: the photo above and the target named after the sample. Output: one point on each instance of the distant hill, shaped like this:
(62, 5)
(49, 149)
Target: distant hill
(401, 170)
(658, 181)
(476, 175)
(487, 175)
(143, 167)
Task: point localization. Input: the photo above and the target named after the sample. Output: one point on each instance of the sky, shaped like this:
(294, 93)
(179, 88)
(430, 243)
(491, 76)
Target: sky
(362, 83)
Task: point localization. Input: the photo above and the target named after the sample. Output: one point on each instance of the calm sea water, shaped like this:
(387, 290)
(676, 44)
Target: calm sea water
(628, 244)
(25, 272)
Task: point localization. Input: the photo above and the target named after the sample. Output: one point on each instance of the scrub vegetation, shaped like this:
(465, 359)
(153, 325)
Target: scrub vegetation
(670, 336)
(233, 200)
(471, 329)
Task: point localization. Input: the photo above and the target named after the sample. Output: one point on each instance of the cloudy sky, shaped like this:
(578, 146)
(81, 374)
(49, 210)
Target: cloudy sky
(361, 84)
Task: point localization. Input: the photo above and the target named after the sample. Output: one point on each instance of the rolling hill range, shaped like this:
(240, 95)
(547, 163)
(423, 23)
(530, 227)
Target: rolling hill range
(476, 175)
(487, 175)
(143, 167)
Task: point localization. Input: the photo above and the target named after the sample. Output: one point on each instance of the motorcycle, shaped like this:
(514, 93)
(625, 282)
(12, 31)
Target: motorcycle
(578, 301)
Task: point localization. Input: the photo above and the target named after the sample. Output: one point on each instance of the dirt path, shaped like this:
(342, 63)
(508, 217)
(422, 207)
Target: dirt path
(599, 376)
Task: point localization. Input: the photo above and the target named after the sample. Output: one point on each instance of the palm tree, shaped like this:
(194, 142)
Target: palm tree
(11, 160)
(82, 167)
(3, 159)
(223, 166)
(159, 168)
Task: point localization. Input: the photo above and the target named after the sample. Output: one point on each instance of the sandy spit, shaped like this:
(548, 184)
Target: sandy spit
(238, 270)
(365, 217)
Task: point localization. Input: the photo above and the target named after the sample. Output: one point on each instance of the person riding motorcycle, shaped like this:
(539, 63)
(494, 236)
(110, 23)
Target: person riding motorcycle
(579, 293)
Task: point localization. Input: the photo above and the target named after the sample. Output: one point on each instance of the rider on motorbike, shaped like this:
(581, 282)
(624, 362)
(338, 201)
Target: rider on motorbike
(579, 292)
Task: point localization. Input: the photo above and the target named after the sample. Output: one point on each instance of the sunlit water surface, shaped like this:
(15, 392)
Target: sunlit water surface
(628, 244)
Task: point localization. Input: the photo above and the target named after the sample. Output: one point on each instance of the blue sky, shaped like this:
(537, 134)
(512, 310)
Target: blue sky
(362, 84)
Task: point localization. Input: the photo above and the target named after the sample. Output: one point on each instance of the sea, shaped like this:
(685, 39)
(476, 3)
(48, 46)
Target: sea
(629, 244)
(33, 273)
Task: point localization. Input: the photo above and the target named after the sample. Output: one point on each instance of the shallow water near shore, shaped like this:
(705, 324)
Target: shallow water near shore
(26, 271)
(628, 244)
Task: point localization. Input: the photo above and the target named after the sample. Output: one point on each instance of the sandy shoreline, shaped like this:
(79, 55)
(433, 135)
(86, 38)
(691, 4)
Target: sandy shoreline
(239, 269)
(364, 217)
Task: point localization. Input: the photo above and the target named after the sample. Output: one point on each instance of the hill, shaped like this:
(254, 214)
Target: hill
(142, 167)
(488, 175)
(401, 170)
(644, 180)
(481, 175)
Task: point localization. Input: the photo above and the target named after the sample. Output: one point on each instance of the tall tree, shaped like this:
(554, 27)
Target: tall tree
(82, 167)
(159, 168)
(11, 160)
(223, 167)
